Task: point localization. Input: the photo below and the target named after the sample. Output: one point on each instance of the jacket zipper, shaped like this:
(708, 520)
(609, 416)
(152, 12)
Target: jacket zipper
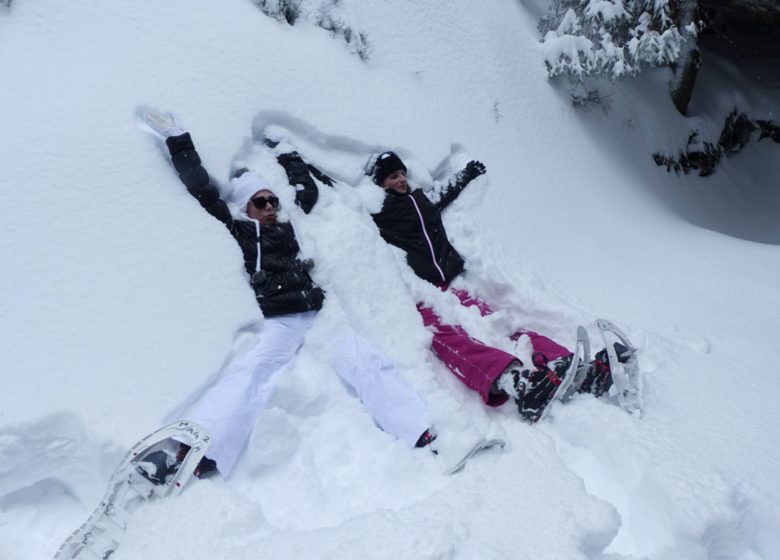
(257, 242)
(427, 239)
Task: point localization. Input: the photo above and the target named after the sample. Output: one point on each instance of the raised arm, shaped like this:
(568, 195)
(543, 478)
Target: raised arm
(299, 174)
(187, 163)
(195, 177)
(458, 182)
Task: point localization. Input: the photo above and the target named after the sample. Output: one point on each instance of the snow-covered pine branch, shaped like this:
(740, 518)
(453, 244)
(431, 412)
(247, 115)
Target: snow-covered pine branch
(327, 14)
(615, 38)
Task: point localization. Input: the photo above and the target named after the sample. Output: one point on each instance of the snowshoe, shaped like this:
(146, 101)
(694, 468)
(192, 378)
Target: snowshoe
(147, 471)
(481, 446)
(578, 369)
(620, 358)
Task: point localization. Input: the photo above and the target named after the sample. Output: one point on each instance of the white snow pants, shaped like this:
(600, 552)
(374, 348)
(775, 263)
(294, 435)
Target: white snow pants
(229, 406)
(389, 398)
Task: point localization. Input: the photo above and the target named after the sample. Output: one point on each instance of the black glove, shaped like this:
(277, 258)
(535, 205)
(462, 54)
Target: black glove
(317, 296)
(473, 170)
(307, 265)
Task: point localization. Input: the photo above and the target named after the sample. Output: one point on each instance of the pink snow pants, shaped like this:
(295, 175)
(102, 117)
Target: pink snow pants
(476, 364)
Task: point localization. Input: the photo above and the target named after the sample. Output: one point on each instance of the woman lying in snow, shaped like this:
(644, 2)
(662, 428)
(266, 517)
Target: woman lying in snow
(229, 406)
(412, 222)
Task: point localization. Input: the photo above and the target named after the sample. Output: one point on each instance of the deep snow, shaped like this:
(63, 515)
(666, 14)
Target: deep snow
(120, 295)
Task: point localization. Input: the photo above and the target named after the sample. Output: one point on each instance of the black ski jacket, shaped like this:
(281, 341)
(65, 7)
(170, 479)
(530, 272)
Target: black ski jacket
(413, 223)
(284, 286)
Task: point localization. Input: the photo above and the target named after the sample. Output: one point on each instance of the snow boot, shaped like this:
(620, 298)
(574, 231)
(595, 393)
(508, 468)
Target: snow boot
(426, 440)
(598, 378)
(206, 467)
(157, 465)
(536, 389)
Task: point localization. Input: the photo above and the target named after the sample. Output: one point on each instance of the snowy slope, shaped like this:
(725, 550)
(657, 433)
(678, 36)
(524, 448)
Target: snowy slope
(120, 295)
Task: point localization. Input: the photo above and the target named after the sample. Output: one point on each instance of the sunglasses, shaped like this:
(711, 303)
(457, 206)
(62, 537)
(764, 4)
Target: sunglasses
(261, 201)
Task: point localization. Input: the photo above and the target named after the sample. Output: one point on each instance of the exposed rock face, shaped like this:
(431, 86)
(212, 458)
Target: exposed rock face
(761, 12)
(745, 31)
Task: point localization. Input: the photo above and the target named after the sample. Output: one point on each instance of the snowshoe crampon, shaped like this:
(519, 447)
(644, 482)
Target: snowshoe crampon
(131, 485)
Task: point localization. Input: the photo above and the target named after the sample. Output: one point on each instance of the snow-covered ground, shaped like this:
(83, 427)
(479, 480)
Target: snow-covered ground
(119, 295)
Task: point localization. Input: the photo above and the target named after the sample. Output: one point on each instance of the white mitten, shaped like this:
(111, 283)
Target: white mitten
(164, 124)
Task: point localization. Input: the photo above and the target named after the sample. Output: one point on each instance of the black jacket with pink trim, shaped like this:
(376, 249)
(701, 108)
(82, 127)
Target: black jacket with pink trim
(413, 223)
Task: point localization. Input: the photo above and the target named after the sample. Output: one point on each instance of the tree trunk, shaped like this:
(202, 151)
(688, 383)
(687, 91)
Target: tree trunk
(682, 87)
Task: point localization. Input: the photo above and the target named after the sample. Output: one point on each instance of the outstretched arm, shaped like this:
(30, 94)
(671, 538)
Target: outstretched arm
(458, 182)
(299, 174)
(187, 162)
(195, 177)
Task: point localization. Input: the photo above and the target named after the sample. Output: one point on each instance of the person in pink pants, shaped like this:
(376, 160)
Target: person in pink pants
(412, 221)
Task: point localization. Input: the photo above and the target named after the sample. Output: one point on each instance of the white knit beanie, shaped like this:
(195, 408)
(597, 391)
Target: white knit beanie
(245, 186)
